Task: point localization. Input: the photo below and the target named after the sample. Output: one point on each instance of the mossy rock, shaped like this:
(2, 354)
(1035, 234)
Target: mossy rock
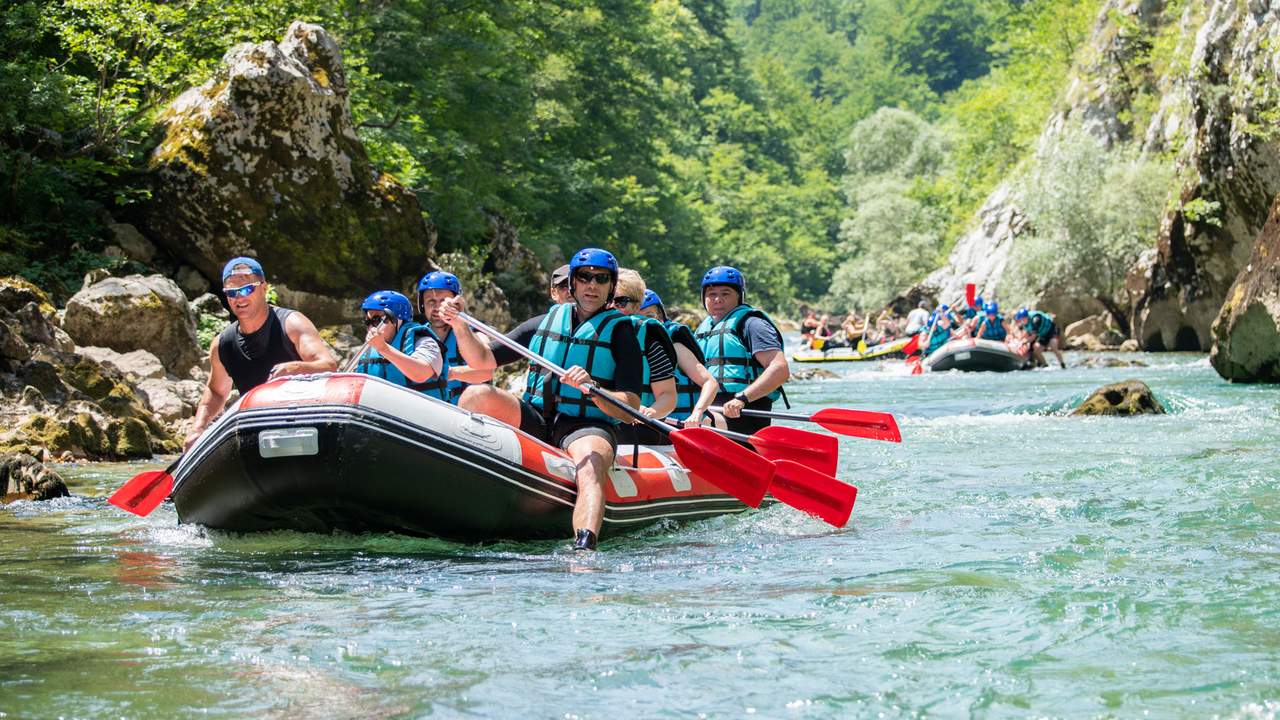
(89, 378)
(44, 377)
(42, 431)
(1131, 397)
(17, 291)
(129, 438)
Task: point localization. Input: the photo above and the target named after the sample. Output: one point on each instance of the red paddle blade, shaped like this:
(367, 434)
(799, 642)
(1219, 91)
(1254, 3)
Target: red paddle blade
(143, 493)
(859, 423)
(815, 450)
(724, 463)
(911, 346)
(816, 493)
(915, 364)
(970, 293)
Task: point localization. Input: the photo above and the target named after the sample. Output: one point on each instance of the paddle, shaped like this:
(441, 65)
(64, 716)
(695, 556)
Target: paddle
(727, 465)
(856, 423)
(778, 442)
(144, 491)
(355, 359)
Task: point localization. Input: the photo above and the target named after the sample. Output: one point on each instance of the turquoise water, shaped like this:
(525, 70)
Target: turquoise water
(1005, 561)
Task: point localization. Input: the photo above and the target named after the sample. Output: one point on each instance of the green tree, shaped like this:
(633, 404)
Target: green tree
(1092, 212)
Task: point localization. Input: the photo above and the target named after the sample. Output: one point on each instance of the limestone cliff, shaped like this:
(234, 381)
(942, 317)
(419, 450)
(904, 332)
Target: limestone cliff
(1246, 341)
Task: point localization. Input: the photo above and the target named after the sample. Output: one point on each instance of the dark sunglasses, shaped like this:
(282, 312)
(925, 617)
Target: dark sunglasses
(375, 320)
(242, 291)
(602, 278)
(623, 301)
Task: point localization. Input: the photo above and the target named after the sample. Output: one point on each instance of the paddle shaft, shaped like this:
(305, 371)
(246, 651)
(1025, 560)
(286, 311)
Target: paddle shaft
(558, 371)
(355, 359)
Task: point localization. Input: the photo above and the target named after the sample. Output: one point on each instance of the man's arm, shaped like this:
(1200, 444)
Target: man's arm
(476, 353)
(314, 351)
(212, 399)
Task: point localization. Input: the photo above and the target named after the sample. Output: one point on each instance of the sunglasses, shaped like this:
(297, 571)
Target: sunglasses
(242, 291)
(623, 301)
(602, 278)
(375, 321)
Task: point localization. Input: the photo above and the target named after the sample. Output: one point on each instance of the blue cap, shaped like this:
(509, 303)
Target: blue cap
(242, 265)
(650, 299)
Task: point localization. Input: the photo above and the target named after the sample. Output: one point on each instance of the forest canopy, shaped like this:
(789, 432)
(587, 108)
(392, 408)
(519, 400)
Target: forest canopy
(678, 133)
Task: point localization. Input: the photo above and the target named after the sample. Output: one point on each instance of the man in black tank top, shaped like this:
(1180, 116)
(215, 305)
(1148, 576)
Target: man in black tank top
(263, 343)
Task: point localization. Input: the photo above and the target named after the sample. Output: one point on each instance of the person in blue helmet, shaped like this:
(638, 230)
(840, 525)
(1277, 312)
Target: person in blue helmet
(1039, 329)
(597, 345)
(743, 349)
(399, 349)
(263, 343)
(462, 349)
(938, 333)
(991, 324)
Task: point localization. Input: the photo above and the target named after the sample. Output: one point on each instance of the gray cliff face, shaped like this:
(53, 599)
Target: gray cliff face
(1220, 119)
(264, 160)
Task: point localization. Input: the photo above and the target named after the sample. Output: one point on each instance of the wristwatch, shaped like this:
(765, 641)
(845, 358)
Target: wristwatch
(743, 397)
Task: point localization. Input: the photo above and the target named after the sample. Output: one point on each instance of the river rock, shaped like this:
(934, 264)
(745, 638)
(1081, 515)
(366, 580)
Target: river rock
(134, 365)
(22, 477)
(193, 284)
(1102, 361)
(132, 243)
(264, 160)
(136, 313)
(14, 351)
(210, 304)
(1100, 326)
(812, 373)
(1246, 341)
(16, 292)
(172, 400)
(1131, 397)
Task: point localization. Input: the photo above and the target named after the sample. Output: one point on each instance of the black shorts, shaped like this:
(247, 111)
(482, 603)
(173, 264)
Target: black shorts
(564, 430)
(641, 435)
(1044, 341)
(742, 423)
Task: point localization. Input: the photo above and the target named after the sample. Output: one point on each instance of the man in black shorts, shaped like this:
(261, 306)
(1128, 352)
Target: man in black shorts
(597, 345)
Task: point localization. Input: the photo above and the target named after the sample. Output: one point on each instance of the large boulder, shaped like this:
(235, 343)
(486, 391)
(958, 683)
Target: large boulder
(264, 160)
(1100, 329)
(1130, 397)
(1246, 340)
(134, 365)
(22, 477)
(136, 313)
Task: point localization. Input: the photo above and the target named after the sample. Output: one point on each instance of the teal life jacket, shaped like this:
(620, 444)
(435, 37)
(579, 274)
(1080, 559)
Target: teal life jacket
(728, 358)
(992, 330)
(407, 336)
(687, 391)
(588, 346)
(1040, 323)
(937, 338)
(443, 386)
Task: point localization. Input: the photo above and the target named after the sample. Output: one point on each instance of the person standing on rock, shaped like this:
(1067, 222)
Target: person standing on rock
(262, 343)
(743, 348)
(462, 349)
(597, 345)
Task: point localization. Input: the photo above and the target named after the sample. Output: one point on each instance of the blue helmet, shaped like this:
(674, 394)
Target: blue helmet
(990, 308)
(1022, 314)
(977, 302)
(944, 308)
(440, 280)
(650, 299)
(594, 257)
(725, 275)
(389, 301)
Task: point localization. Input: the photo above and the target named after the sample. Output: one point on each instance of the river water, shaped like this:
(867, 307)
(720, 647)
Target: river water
(1005, 560)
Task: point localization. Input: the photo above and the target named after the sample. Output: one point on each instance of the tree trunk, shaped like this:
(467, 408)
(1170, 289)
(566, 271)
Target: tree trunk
(1122, 320)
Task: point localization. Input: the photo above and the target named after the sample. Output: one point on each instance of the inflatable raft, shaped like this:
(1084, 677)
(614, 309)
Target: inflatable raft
(356, 453)
(845, 354)
(972, 354)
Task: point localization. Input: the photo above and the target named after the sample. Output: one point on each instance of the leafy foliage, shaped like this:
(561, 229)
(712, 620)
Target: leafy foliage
(1093, 212)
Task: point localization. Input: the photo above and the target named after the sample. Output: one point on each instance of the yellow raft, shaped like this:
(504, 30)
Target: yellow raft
(843, 354)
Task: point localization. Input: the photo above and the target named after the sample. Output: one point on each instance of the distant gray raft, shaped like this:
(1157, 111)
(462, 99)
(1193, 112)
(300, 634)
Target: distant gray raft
(975, 355)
